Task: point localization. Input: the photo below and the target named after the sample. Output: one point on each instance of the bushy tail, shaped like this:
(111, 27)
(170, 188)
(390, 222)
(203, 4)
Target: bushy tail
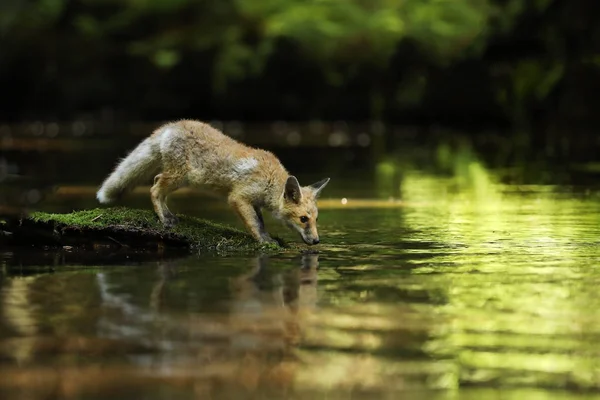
(143, 162)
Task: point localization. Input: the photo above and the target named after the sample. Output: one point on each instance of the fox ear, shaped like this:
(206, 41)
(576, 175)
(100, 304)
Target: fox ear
(318, 186)
(292, 190)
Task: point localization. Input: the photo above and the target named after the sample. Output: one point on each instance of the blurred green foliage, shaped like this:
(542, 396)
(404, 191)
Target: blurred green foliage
(339, 35)
(340, 39)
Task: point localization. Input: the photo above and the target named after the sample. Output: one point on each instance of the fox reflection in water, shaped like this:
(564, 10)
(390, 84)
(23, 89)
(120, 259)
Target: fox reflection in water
(247, 348)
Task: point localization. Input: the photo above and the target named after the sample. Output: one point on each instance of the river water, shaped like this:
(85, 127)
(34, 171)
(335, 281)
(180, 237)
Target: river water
(427, 285)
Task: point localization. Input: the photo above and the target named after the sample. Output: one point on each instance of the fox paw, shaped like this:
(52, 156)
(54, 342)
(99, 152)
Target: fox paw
(269, 240)
(170, 221)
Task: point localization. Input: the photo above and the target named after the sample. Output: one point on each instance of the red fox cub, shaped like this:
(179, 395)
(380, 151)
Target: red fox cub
(192, 153)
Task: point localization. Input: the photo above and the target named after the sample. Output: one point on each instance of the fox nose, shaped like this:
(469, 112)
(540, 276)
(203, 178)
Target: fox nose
(315, 241)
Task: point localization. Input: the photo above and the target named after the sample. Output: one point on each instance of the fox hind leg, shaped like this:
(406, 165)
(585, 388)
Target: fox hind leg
(164, 185)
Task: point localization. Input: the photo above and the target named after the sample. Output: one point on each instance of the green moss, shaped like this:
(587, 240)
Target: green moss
(197, 233)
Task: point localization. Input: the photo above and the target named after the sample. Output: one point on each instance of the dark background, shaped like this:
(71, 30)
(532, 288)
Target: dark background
(468, 64)
(363, 88)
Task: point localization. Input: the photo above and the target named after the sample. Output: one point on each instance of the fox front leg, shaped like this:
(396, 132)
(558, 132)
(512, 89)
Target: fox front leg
(252, 218)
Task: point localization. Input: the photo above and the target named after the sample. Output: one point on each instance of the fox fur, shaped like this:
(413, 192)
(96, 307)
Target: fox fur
(192, 153)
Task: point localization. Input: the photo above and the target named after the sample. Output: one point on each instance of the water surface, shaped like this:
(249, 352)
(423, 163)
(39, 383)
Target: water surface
(464, 288)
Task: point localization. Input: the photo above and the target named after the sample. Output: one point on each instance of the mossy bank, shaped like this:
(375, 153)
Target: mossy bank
(125, 227)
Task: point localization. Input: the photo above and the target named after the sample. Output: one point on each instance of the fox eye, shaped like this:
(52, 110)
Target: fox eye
(304, 219)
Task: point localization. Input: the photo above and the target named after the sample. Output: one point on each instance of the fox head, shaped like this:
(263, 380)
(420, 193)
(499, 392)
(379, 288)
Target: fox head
(299, 208)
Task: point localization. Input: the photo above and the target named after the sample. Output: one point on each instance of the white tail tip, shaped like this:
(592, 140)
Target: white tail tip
(103, 198)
